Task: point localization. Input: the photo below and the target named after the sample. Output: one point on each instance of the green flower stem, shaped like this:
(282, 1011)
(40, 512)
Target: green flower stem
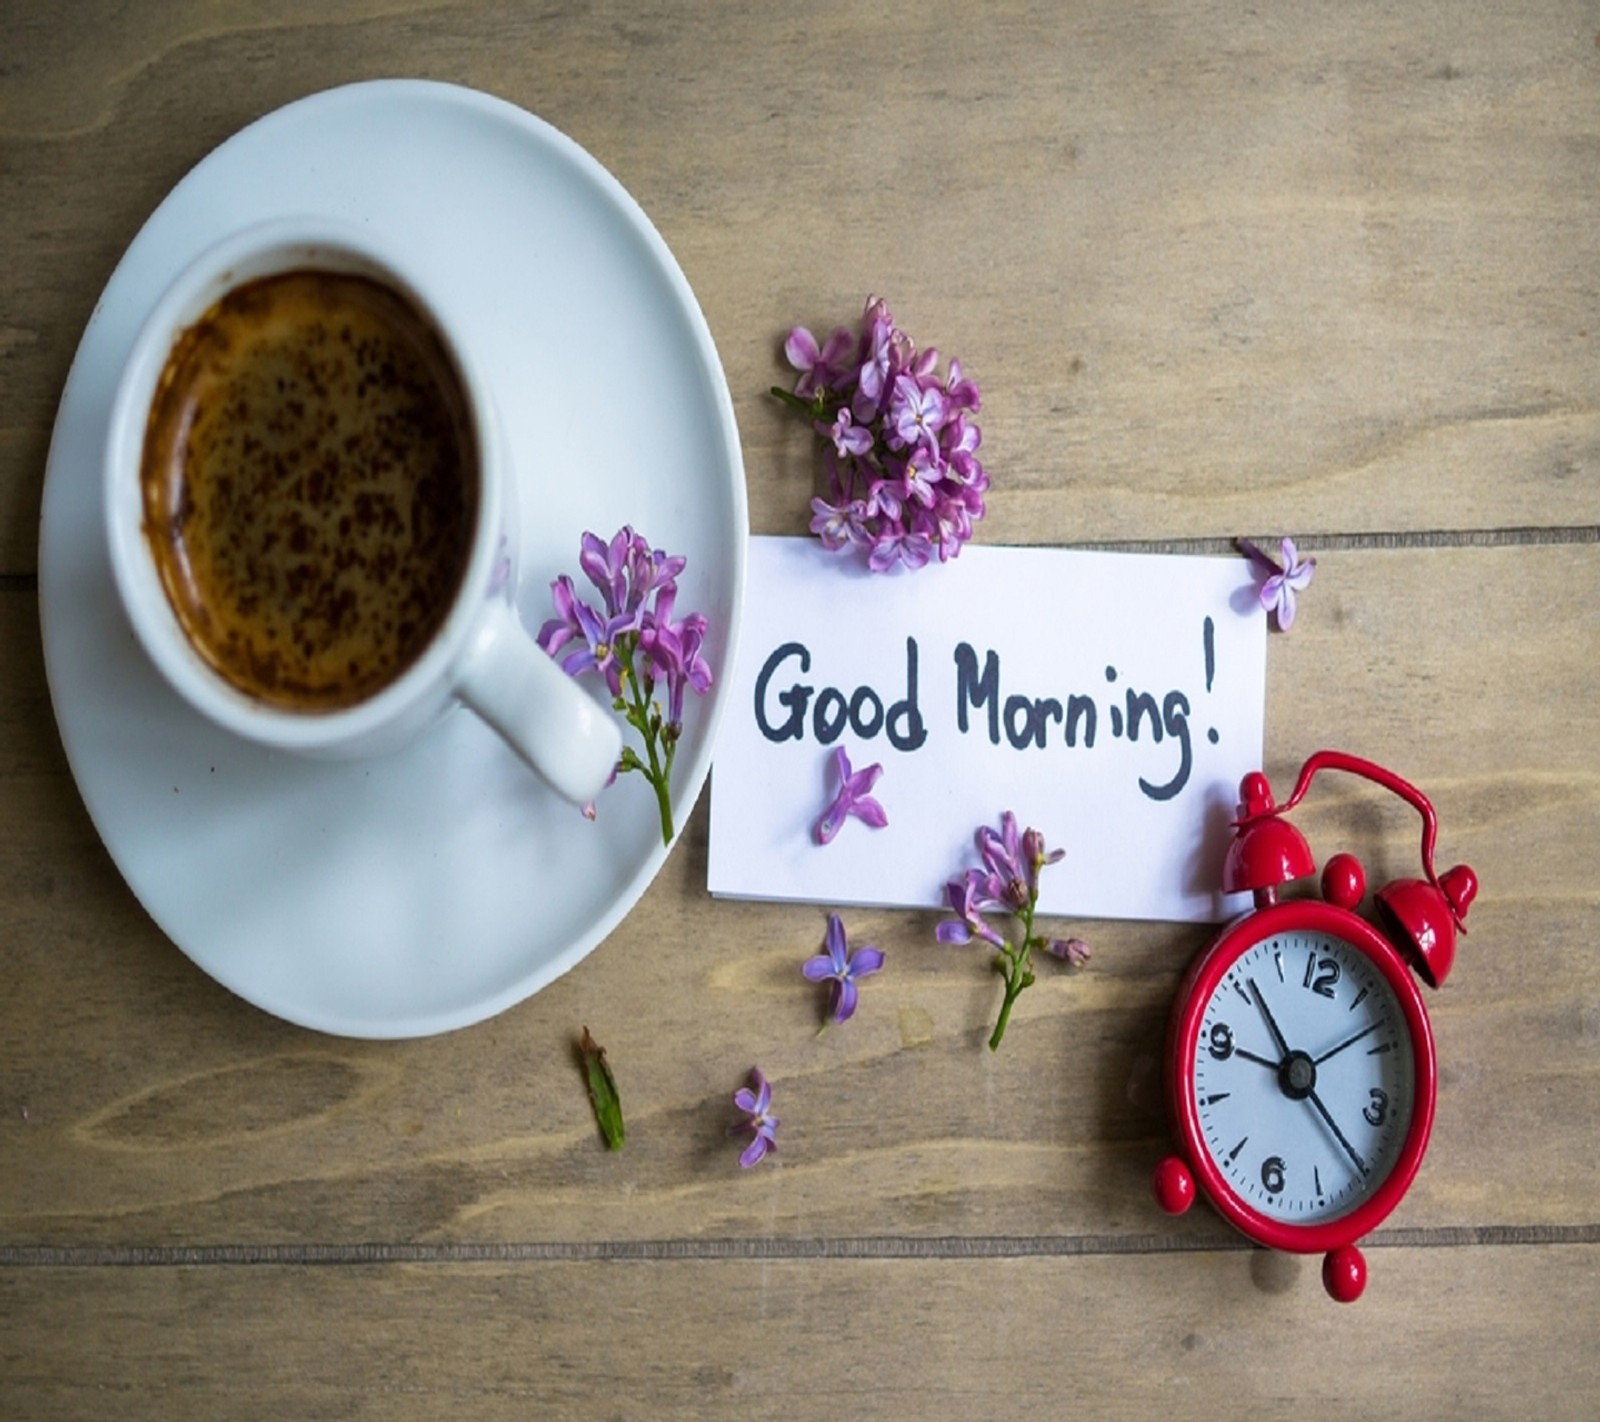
(811, 409)
(657, 773)
(1015, 967)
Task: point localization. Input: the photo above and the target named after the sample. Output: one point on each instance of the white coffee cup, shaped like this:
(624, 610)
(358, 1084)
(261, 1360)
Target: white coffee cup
(480, 655)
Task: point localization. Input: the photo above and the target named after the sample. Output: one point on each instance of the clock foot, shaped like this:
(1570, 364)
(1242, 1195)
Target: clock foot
(1344, 1273)
(1173, 1186)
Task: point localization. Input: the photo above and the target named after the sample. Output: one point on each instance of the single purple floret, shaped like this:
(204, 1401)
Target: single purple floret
(1280, 581)
(839, 527)
(821, 367)
(849, 438)
(606, 565)
(1007, 877)
(880, 345)
(916, 412)
(838, 966)
(580, 639)
(967, 901)
(756, 1105)
(1035, 856)
(852, 799)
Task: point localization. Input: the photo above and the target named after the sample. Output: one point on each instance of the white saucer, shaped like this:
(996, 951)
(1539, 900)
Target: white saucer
(429, 890)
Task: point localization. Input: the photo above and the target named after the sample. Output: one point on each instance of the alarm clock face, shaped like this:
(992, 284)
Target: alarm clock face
(1304, 1077)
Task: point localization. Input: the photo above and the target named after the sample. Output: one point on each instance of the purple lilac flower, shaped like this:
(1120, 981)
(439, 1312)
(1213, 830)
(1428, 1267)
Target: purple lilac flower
(674, 651)
(1035, 856)
(899, 545)
(1281, 581)
(757, 1106)
(578, 623)
(1008, 876)
(633, 640)
(959, 391)
(821, 367)
(916, 413)
(967, 900)
(1008, 884)
(900, 447)
(853, 798)
(843, 969)
(849, 438)
(606, 566)
(838, 528)
(924, 471)
(878, 351)
(649, 571)
(627, 571)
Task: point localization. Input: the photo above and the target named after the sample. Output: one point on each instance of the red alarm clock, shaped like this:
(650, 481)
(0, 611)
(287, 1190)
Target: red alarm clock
(1300, 1072)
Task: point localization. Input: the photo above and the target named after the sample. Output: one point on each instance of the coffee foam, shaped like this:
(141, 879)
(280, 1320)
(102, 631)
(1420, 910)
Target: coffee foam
(310, 487)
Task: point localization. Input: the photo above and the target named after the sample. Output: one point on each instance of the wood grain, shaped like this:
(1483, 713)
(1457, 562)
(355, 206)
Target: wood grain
(1219, 269)
(954, 1338)
(1214, 270)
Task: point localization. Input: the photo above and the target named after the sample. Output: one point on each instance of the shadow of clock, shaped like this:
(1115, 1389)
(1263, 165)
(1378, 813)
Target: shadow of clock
(1275, 1273)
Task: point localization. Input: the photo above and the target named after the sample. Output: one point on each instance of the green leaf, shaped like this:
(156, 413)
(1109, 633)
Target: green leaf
(602, 1091)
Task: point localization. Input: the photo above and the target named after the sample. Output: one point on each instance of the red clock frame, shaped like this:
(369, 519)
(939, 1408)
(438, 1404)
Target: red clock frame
(1419, 919)
(1203, 980)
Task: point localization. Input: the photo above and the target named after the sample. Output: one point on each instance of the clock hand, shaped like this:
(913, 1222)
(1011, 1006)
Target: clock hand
(1348, 1042)
(1261, 1002)
(1252, 1057)
(1339, 1135)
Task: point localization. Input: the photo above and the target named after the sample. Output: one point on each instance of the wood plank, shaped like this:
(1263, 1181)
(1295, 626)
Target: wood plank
(139, 1103)
(1216, 272)
(1452, 1332)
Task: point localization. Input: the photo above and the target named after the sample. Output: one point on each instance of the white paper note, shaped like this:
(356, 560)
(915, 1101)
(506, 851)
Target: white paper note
(1113, 701)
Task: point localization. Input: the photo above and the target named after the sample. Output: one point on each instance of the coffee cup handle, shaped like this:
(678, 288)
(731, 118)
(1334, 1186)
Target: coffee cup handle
(551, 722)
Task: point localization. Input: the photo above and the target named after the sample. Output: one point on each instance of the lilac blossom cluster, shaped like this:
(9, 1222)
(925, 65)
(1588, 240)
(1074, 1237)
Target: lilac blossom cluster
(901, 448)
(633, 640)
(1007, 883)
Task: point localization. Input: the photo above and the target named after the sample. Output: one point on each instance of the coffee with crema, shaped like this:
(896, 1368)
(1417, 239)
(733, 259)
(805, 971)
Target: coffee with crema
(310, 487)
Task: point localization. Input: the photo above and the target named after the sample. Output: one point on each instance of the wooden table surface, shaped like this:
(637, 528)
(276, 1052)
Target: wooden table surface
(1329, 270)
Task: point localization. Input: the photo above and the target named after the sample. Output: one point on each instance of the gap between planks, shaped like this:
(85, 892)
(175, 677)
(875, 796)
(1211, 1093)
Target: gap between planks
(1315, 543)
(886, 1247)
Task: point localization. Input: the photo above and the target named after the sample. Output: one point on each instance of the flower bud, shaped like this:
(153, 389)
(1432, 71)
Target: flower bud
(1073, 951)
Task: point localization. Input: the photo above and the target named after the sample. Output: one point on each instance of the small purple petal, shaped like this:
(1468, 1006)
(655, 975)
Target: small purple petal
(1285, 608)
(818, 969)
(836, 945)
(870, 812)
(845, 996)
(861, 781)
(753, 1152)
(954, 932)
(830, 824)
(801, 349)
(867, 960)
